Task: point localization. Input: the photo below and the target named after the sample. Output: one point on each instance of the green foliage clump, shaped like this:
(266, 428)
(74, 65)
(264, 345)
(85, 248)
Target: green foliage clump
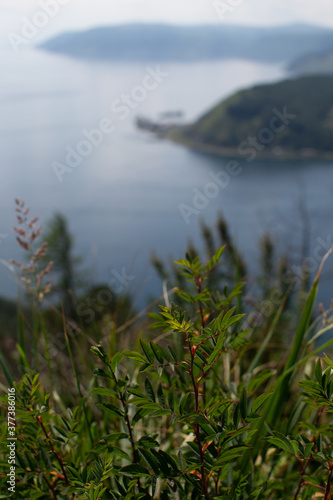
(307, 99)
(186, 414)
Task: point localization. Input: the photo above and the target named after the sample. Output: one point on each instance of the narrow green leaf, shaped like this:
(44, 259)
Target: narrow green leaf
(229, 455)
(318, 371)
(260, 401)
(117, 452)
(134, 355)
(171, 399)
(148, 352)
(134, 470)
(150, 460)
(279, 443)
(101, 391)
(153, 486)
(183, 402)
(157, 352)
(116, 360)
(111, 409)
(150, 390)
(243, 405)
(181, 461)
(160, 396)
(236, 416)
(112, 438)
(173, 353)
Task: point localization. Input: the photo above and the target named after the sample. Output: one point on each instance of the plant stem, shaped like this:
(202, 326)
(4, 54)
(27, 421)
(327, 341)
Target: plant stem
(197, 427)
(199, 283)
(328, 485)
(51, 488)
(128, 423)
(301, 484)
(59, 459)
(76, 375)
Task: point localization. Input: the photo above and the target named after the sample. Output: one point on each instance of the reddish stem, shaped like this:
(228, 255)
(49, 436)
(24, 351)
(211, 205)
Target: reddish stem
(59, 459)
(197, 427)
(328, 485)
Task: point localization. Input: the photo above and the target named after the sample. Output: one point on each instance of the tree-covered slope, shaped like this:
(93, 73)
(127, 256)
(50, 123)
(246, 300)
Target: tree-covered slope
(296, 115)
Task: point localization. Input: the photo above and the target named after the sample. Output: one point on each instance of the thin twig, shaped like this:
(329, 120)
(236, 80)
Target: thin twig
(328, 485)
(59, 459)
(51, 488)
(128, 423)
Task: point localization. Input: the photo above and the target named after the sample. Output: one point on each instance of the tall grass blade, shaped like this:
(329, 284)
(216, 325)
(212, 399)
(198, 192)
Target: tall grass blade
(6, 371)
(275, 408)
(270, 333)
(274, 405)
(24, 359)
(76, 375)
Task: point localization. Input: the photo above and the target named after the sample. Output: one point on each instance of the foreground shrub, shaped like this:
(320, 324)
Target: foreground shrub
(187, 415)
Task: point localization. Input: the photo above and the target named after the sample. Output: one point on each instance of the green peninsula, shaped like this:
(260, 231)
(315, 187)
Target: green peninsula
(292, 118)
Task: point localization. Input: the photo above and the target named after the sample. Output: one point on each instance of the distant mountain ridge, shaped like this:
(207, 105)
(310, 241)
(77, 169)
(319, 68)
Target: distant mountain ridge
(291, 118)
(152, 42)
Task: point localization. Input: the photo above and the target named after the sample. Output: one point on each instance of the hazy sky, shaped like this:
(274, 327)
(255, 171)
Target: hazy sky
(76, 14)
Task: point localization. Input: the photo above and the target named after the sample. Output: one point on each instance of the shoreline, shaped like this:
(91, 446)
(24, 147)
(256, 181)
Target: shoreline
(269, 154)
(174, 134)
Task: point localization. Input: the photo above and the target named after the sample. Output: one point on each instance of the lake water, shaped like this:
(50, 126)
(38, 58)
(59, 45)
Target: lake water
(122, 201)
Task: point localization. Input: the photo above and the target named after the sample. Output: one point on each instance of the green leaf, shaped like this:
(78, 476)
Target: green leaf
(181, 461)
(160, 413)
(326, 378)
(148, 352)
(134, 470)
(101, 391)
(279, 443)
(173, 487)
(215, 354)
(116, 360)
(101, 373)
(157, 352)
(243, 405)
(318, 371)
(117, 452)
(134, 355)
(214, 260)
(136, 392)
(260, 401)
(145, 367)
(295, 446)
(149, 390)
(153, 486)
(171, 399)
(252, 416)
(111, 409)
(165, 458)
(99, 351)
(194, 447)
(275, 409)
(173, 353)
(236, 416)
(183, 402)
(150, 460)
(234, 434)
(229, 455)
(160, 396)
(112, 438)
